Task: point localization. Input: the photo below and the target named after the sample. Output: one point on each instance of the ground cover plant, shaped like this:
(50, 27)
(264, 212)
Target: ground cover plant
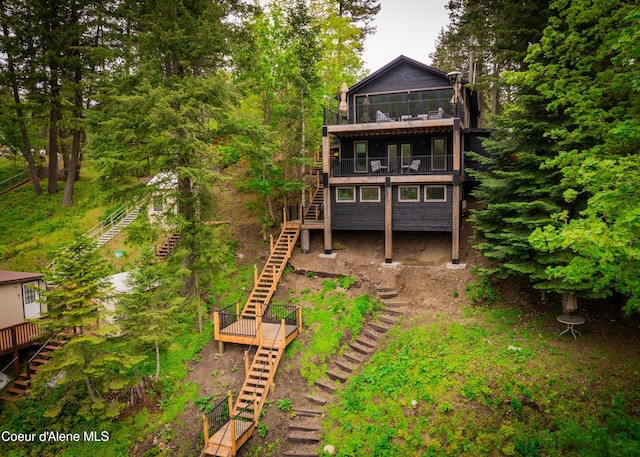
(335, 319)
(487, 385)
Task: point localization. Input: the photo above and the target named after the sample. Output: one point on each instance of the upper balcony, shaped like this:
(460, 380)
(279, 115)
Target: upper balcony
(408, 106)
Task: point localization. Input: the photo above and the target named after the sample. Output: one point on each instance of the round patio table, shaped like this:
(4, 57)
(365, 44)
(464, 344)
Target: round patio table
(570, 320)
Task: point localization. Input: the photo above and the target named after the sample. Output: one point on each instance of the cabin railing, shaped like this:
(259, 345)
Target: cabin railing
(375, 166)
(414, 110)
(275, 314)
(20, 336)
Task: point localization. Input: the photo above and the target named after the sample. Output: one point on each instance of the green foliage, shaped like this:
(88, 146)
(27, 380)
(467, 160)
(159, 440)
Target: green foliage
(262, 429)
(476, 394)
(481, 292)
(285, 405)
(336, 320)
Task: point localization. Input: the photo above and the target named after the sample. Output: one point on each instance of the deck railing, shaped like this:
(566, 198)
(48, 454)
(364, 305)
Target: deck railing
(20, 336)
(215, 419)
(275, 314)
(374, 166)
(418, 110)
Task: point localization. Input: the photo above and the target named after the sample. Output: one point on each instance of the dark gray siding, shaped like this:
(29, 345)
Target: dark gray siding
(404, 77)
(422, 216)
(357, 215)
(407, 216)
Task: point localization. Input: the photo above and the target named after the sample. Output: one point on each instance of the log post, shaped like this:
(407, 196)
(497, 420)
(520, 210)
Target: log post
(205, 426)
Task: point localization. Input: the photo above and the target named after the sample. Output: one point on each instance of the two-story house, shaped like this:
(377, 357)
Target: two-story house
(393, 153)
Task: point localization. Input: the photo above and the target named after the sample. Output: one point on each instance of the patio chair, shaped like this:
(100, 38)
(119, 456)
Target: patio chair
(375, 166)
(415, 166)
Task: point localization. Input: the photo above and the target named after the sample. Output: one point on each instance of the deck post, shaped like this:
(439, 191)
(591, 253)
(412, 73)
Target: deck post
(299, 318)
(256, 413)
(272, 374)
(388, 218)
(271, 243)
(205, 428)
(255, 275)
(237, 307)
(259, 328)
(284, 333)
(305, 241)
(326, 168)
(457, 164)
(284, 217)
(246, 363)
(232, 425)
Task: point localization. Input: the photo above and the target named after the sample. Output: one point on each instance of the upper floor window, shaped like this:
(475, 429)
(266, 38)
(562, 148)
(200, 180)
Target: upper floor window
(346, 194)
(369, 194)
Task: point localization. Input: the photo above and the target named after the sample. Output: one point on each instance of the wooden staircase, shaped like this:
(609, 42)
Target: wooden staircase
(265, 284)
(313, 211)
(168, 247)
(20, 386)
(270, 334)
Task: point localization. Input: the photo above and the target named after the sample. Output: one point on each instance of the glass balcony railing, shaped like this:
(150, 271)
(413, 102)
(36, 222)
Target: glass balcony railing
(373, 166)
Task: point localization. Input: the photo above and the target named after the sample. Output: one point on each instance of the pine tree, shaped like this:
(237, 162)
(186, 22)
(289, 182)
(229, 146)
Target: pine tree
(89, 366)
(148, 314)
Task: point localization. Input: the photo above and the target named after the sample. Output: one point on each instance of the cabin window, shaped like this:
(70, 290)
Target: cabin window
(346, 194)
(369, 194)
(408, 194)
(435, 194)
(361, 156)
(158, 204)
(438, 154)
(29, 293)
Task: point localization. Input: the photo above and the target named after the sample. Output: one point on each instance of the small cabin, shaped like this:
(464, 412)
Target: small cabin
(393, 153)
(163, 201)
(20, 297)
(19, 304)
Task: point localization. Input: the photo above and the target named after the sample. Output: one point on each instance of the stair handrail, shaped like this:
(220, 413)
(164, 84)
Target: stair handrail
(12, 177)
(28, 363)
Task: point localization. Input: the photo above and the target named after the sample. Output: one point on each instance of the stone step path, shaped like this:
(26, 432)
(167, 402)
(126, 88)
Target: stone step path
(305, 427)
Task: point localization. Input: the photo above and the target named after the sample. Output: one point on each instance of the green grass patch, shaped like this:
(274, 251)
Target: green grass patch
(446, 389)
(335, 319)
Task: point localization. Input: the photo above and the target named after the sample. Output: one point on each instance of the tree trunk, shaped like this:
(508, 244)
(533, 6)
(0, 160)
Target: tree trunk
(28, 155)
(54, 116)
(74, 161)
(157, 378)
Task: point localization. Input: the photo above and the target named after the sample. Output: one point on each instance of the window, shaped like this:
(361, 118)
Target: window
(346, 194)
(435, 194)
(361, 156)
(408, 194)
(30, 293)
(438, 154)
(369, 194)
(158, 204)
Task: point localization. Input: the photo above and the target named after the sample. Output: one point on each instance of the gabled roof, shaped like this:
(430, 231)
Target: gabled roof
(394, 63)
(8, 277)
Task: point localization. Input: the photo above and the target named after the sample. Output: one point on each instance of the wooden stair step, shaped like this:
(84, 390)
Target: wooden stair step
(387, 319)
(327, 386)
(345, 366)
(391, 312)
(360, 348)
(379, 327)
(21, 383)
(11, 398)
(357, 358)
(395, 304)
(305, 424)
(363, 341)
(309, 437)
(389, 294)
(15, 391)
(374, 335)
(337, 375)
(39, 361)
(315, 399)
(218, 450)
(307, 412)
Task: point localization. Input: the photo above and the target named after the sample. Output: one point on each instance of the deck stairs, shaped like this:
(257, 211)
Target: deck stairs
(168, 247)
(20, 386)
(265, 284)
(244, 414)
(313, 212)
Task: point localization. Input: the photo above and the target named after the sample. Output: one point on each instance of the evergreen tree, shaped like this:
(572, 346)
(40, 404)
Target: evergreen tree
(88, 367)
(148, 314)
(586, 66)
